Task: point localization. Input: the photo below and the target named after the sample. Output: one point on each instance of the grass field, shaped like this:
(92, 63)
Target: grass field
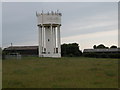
(0, 73)
(65, 72)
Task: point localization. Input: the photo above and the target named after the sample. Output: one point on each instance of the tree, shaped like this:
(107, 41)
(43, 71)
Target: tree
(113, 46)
(64, 50)
(101, 46)
(70, 50)
(0, 52)
(94, 46)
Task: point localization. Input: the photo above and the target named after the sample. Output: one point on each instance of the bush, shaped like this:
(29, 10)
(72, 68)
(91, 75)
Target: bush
(70, 50)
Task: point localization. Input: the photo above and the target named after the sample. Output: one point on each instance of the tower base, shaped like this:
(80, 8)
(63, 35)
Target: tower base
(51, 55)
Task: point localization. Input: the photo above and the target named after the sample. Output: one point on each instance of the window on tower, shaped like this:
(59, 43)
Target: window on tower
(48, 40)
(56, 50)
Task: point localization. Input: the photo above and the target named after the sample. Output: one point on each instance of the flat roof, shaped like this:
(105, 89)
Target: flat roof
(21, 48)
(102, 50)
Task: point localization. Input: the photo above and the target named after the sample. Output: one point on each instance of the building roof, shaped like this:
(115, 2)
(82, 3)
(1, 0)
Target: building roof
(21, 48)
(102, 50)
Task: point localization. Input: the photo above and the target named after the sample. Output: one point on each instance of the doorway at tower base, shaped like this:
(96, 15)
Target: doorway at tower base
(51, 55)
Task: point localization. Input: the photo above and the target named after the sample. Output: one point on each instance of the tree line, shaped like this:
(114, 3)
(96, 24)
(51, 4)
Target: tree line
(101, 46)
(72, 50)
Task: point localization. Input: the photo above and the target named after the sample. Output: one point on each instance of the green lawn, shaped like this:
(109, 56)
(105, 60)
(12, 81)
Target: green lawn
(0, 73)
(66, 72)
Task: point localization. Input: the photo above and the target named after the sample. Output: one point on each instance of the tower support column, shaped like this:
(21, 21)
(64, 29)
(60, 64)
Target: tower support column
(52, 46)
(40, 40)
(58, 40)
(54, 39)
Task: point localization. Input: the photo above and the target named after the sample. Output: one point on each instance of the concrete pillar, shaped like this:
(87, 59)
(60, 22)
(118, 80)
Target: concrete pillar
(58, 39)
(54, 39)
(44, 39)
(52, 47)
(40, 40)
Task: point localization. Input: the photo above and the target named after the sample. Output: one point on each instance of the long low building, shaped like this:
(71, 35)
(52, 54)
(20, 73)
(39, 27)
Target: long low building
(22, 50)
(110, 50)
(102, 53)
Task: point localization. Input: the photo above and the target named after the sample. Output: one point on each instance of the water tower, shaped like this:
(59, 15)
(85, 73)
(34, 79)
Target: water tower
(49, 34)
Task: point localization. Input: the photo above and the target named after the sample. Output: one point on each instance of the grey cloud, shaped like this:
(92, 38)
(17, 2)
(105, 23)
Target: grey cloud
(0, 24)
(19, 20)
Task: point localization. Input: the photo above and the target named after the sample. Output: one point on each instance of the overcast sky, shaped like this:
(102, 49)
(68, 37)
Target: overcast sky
(86, 23)
(0, 24)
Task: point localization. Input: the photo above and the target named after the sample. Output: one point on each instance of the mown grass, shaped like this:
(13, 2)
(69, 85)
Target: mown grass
(65, 72)
(0, 73)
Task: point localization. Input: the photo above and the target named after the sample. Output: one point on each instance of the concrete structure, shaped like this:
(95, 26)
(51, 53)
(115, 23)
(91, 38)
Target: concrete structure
(16, 52)
(110, 50)
(102, 53)
(49, 34)
(22, 50)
